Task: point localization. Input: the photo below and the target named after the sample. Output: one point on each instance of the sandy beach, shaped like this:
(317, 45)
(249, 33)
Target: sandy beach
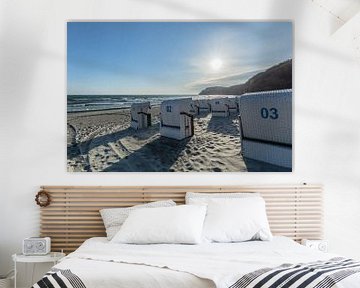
(103, 141)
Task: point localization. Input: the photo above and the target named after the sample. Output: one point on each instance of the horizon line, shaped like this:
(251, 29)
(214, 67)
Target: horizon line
(156, 94)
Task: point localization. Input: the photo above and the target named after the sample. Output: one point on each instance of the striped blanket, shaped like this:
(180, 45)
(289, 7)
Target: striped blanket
(59, 278)
(320, 274)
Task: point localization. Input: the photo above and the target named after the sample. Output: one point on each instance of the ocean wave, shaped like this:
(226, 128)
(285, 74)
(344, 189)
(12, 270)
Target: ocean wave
(79, 103)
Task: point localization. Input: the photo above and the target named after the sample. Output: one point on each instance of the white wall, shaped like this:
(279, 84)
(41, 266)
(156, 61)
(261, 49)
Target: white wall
(33, 108)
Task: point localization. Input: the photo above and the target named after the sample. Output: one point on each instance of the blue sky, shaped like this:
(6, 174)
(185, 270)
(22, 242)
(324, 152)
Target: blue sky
(170, 57)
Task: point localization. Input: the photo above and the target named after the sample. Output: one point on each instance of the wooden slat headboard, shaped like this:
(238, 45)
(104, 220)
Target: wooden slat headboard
(73, 215)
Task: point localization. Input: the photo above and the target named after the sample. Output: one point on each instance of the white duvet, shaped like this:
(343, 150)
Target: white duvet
(100, 263)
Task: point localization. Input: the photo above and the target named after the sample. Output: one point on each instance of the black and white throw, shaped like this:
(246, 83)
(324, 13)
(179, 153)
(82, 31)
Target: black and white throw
(319, 274)
(59, 278)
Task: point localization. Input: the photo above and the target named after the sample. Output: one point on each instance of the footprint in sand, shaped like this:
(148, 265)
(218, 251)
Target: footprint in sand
(217, 163)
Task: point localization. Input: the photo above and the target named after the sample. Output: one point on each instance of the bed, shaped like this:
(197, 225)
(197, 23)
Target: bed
(294, 210)
(99, 263)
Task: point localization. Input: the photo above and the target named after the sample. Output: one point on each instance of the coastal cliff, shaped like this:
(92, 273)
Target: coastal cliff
(276, 77)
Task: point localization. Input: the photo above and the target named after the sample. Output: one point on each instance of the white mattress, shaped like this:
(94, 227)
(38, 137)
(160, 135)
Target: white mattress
(102, 264)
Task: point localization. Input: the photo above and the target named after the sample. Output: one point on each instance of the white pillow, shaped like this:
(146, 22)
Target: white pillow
(204, 198)
(236, 220)
(113, 218)
(180, 224)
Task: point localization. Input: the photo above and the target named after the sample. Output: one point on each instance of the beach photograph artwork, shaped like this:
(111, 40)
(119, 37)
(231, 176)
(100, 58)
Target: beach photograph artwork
(179, 96)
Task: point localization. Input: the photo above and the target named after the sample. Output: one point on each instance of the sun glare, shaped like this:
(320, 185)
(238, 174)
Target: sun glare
(216, 64)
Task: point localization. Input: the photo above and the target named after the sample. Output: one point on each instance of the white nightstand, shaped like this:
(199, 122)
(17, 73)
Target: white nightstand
(320, 245)
(53, 257)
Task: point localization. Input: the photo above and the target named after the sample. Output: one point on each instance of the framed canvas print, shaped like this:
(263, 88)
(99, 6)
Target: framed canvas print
(179, 96)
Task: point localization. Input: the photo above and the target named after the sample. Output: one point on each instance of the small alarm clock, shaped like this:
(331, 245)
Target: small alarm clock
(36, 246)
(320, 245)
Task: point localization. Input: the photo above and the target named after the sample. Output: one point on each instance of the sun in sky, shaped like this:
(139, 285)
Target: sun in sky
(131, 58)
(216, 64)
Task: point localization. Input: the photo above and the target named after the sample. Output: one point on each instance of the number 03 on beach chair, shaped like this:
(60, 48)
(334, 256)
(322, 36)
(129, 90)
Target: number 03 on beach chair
(265, 127)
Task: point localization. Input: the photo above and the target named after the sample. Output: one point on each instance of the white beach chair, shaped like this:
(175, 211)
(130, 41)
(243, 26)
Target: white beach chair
(220, 107)
(266, 126)
(203, 105)
(176, 121)
(140, 115)
(233, 104)
(194, 107)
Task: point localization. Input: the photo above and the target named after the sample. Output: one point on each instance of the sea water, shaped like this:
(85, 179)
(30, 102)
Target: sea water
(79, 103)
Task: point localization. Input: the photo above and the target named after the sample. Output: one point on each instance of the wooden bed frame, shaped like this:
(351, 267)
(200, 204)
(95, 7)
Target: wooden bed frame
(73, 214)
